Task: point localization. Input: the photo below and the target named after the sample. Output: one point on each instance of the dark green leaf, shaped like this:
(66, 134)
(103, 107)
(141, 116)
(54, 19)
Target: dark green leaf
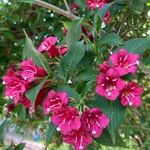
(74, 33)
(105, 139)
(137, 6)
(30, 52)
(72, 92)
(110, 39)
(71, 60)
(114, 110)
(33, 93)
(138, 45)
(103, 11)
(20, 146)
(50, 132)
(21, 112)
(26, 1)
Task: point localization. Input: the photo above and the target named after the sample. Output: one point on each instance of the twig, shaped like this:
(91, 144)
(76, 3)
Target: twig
(67, 6)
(56, 9)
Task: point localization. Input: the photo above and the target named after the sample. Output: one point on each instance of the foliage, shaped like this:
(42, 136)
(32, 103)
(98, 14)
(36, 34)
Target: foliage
(129, 29)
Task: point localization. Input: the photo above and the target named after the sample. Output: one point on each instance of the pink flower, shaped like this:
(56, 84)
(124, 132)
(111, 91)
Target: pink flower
(53, 52)
(66, 119)
(62, 50)
(131, 95)
(47, 44)
(125, 62)
(25, 101)
(30, 71)
(104, 67)
(94, 121)
(93, 4)
(55, 101)
(109, 84)
(80, 139)
(107, 18)
(15, 86)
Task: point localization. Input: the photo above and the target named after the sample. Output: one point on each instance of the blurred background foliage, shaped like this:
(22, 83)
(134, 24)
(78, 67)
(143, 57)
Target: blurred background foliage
(131, 19)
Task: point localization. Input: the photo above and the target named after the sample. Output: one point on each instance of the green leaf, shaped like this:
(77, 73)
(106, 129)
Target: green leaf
(50, 132)
(114, 110)
(26, 1)
(67, 24)
(103, 11)
(21, 112)
(137, 6)
(33, 93)
(74, 34)
(137, 45)
(20, 146)
(110, 39)
(71, 60)
(72, 92)
(105, 139)
(2, 130)
(29, 51)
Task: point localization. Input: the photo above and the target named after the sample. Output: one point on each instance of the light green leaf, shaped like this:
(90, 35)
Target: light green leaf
(50, 132)
(33, 93)
(114, 110)
(137, 45)
(29, 51)
(72, 92)
(110, 39)
(71, 60)
(103, 11)
(74, 34)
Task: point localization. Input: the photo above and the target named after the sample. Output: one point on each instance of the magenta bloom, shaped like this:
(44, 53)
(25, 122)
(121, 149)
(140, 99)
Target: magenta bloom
(107, 18)
(93, 4)
(109, 84)
(55, 101)
(25, 101)
(30, 71)
(62, 50)
(131, 95)
(80, 139)
(94, 121)
(125, 62)
(15, 86)
(66, 119)
(104, 67)
(47, 44)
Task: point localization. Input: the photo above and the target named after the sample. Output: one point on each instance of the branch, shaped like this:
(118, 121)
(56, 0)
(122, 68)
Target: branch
(56, 9)
(67, 6)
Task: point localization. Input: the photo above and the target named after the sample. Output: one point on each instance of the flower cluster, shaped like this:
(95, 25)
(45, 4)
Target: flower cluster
(77, 128)
(53, 50)
(93, 4)
(18, 82)
(111, 85)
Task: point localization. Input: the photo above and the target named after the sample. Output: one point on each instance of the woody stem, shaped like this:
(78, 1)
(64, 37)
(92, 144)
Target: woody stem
(56, 9)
